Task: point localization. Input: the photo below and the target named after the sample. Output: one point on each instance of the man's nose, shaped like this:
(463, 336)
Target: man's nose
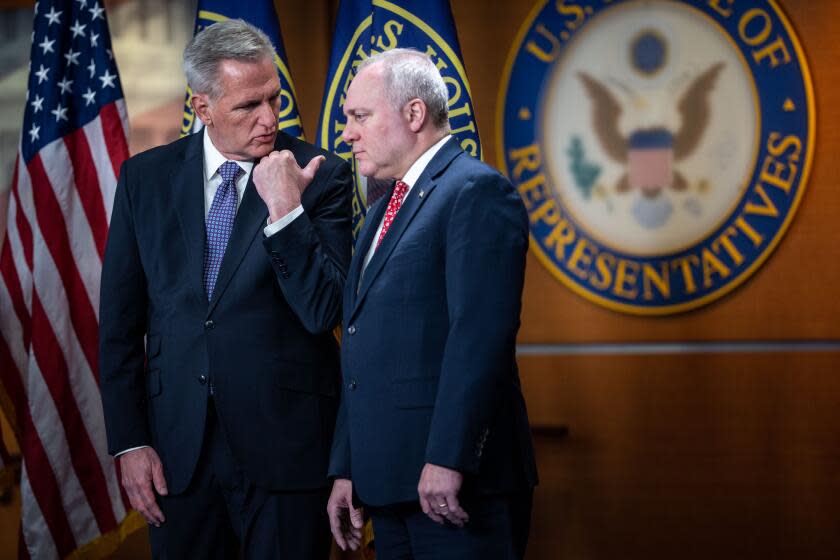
(267, 115)
(349, 133)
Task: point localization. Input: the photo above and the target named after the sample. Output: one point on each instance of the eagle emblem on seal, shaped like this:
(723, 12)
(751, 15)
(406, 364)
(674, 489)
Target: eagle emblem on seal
(649, 153)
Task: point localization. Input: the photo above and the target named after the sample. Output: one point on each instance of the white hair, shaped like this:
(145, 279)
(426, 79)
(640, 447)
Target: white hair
(411, 74)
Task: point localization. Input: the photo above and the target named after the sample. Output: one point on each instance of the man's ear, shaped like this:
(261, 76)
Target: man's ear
(201, 106)
(416, 114)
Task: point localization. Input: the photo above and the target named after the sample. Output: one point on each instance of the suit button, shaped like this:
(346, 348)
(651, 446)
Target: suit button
(352, 385)
(351, 329)
(202, 379)
(209, 324)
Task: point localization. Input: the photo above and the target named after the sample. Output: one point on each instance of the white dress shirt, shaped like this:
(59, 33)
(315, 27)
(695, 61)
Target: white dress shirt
(409, 179)
(213, 159)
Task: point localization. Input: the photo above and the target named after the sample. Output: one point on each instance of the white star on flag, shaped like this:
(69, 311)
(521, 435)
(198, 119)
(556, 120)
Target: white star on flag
(37, 103)
(33, 133)
(82, 3)
(94, 39)
(107, 79)
(42, 73)
(90, 97)
(47, 45)
(96, 12)
(60, 113)
(72, 57)
(92, 68)
(65, 84)
(53, 16)
(78, 29)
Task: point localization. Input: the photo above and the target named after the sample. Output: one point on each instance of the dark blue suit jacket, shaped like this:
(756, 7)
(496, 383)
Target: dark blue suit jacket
(264, 339)
(428, 351)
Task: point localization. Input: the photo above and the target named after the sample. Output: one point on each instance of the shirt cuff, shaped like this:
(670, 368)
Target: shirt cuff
(272, 228)
(124, 451)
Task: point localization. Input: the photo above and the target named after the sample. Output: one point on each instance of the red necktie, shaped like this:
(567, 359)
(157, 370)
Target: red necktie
(393, 207)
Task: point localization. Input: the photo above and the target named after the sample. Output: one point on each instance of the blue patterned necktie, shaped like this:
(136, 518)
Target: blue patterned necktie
(220, 224)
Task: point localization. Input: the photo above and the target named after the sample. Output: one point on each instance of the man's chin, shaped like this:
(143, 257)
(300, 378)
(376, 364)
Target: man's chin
(262, 148)
(369, 171)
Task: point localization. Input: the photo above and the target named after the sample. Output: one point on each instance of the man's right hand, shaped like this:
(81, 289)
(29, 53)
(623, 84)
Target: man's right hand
(345, 520)
(280, 181)
(140, 469)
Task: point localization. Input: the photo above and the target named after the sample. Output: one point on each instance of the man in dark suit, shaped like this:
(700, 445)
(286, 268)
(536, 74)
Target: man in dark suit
(432, 435)
(233, 274)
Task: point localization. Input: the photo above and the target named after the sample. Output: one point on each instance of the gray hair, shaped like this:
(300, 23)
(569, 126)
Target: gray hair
(410, 74)
(231, 39)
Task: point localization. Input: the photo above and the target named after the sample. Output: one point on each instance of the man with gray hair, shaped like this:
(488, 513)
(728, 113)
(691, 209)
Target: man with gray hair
(432, 435)
(222, 282)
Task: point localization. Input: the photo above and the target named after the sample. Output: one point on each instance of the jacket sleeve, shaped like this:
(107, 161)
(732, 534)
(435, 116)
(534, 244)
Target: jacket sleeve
(311, 255)
(486, 243)
(122, 327)
(340, 456)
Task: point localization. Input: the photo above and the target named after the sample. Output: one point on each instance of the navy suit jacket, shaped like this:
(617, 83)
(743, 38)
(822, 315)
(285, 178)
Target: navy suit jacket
(428, 350)
(264, 339)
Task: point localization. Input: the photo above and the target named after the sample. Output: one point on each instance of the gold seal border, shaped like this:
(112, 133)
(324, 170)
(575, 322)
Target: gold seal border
(555, 270)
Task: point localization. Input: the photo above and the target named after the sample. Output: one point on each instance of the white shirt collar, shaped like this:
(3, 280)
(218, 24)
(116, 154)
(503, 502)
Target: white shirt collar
(409, 179)
(419, 166)
(213, 159)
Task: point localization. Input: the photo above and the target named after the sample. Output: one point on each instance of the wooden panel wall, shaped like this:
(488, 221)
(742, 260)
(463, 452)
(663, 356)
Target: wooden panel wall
(689, 457)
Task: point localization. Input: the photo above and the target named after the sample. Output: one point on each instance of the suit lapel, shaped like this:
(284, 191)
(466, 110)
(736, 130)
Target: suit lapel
(372, 219)
(410, 207)
(250, 219)
(188, 187)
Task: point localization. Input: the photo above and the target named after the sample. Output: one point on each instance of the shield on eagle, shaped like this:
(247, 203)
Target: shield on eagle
(650, 157)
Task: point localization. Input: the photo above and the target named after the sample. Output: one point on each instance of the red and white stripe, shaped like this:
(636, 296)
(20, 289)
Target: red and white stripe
(50, 265)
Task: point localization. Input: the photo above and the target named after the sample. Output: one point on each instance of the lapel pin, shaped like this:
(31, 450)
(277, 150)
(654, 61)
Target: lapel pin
(422, 193)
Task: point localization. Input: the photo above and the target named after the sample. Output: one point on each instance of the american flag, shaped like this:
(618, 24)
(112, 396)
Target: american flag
(72, 143)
